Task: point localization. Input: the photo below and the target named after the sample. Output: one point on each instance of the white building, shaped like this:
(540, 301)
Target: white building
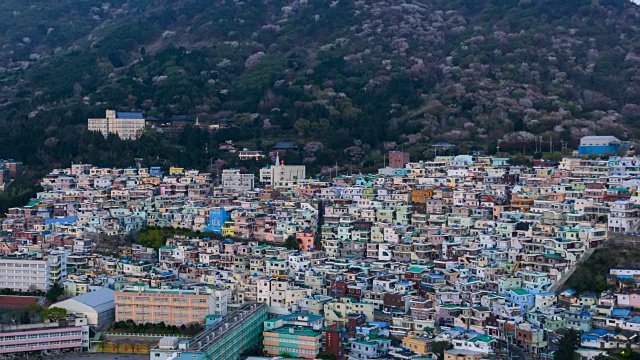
(250, 155)
(127, 125)
(233, 179)
(23, 272)
(282, 175)
(623, 216)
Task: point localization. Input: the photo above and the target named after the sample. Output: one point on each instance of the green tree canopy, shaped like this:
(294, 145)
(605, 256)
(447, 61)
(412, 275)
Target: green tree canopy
(53, 314)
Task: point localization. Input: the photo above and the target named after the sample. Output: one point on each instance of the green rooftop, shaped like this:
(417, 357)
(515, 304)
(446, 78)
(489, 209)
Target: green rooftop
(293, 331)
(482, 338)
(520, 292)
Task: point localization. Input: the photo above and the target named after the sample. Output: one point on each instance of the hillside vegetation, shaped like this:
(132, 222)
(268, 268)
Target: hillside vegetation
(347, 80)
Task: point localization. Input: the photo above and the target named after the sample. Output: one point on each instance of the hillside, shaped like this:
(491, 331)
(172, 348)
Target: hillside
(347, 79)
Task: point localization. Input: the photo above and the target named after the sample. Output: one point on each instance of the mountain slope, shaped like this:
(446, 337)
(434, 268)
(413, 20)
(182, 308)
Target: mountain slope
(348, 78)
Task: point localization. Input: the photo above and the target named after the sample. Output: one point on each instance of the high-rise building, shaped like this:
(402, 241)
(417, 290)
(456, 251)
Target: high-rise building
(398, 159)
(33, 271)
(234, 334)
(127, 125)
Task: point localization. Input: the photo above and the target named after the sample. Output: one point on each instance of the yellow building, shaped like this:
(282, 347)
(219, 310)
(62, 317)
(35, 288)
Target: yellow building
(228, 228)
(338, 311)
(127, 125)
(418, 344)
(176, 171)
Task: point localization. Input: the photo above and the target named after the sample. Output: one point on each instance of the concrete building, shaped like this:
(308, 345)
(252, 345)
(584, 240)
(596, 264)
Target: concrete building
(217, 217)
(97, 306)
(24, 272)
(281, 175)
(298, 341)
(398, 159)
(171, 306)
(234, 180)
(241, 330)
(67, 334)
(623, 217)
(127, 125)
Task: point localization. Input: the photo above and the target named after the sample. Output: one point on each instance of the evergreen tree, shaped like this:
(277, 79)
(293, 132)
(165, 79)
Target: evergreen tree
(567, 345)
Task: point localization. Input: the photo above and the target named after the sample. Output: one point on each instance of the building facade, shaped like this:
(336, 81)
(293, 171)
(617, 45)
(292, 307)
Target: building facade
(398, 159)
(24, 272)
(171, 306)
(68, 334)
(127, 125)
(282, 175)
(301, 342)
(233, 179)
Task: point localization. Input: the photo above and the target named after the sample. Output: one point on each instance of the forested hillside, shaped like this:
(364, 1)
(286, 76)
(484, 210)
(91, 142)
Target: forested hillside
(345, 79)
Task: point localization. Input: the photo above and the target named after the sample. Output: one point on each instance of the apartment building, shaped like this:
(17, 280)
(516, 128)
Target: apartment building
(127, 125)
(234, 180)
(33, 271)
(398, 159)
(171, 306)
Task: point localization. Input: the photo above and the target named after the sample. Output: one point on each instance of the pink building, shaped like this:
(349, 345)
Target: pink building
(66, 335)
(306, 240)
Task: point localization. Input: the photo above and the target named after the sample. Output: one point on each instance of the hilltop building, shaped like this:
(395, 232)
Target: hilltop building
(127, 125)
(601, 145)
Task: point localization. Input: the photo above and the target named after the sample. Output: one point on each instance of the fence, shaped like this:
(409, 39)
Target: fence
(123, 348)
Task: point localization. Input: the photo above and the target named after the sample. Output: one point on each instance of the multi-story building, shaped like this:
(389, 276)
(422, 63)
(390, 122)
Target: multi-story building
(333, 338)
(624, 216)
(127, 125)
(398, 159)
(234, 180)
(71, 333)
(296, 341)
(33, 272)
(235, 333)
(282, 175)
(171, 306)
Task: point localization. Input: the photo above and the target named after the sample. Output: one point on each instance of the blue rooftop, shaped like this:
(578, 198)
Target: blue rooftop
(68, 220)
(129, 115)
(598, 332)
(620, 312)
